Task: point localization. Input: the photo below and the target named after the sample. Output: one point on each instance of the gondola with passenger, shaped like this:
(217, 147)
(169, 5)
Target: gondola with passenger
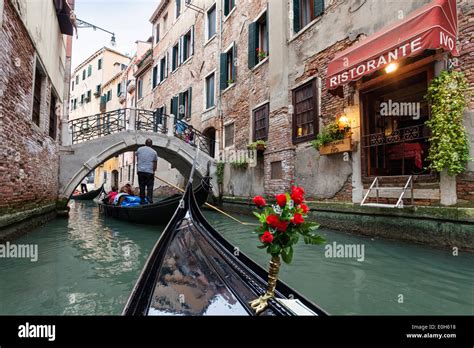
(193, 270)
(158, 213)
(88, 196)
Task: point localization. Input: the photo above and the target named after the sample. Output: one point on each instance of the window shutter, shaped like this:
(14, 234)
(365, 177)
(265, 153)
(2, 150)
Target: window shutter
(253, 42)
(234, 62)
(318, 7)
(226, 7)
(181, 106)
(192, 41)
(169, 56)
(158, 72)
(185, 48)
(190, 97)
(174, 107)
(223, 77)
(296, 16)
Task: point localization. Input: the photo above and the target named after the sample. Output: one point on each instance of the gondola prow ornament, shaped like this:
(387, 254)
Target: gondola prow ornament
(281, 227)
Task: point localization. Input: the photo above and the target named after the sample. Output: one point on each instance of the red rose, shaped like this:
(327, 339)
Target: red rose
(297, 194)
(297, 219)
(281, 200)
(282, 226)
(259, 201)
(273, 220)
(267, 237)
(304, 208)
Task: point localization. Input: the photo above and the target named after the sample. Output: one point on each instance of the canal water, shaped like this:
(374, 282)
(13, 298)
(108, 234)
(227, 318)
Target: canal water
(88, 265)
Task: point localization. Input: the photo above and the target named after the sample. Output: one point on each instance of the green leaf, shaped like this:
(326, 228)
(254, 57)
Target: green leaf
(287, 254)
(314, 239)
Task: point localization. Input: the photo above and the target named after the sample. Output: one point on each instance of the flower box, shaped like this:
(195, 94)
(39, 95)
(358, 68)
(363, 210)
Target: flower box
(338, 146)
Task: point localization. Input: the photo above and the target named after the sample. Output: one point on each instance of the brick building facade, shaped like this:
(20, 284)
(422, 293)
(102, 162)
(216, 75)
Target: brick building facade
(299, 39)
(33, 86)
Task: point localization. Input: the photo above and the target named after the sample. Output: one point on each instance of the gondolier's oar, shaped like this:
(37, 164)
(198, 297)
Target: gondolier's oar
(210, 205)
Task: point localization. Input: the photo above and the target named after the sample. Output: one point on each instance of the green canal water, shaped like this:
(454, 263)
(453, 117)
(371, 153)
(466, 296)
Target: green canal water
(88, 265)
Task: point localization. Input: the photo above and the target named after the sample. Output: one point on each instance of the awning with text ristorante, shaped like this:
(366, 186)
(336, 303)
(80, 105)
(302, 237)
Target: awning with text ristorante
(433, 26)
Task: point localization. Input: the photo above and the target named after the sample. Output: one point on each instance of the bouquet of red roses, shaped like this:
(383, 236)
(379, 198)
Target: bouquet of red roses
(284, 222)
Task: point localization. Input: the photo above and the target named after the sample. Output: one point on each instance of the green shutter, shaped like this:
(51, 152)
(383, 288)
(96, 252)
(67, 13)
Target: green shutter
(234, 62)
(226, 7)
(180, 106)
(185, 48)
(174, 108)
(190, 97)
(223, 77)
(253, 42)
(296, 16)
(318, 7)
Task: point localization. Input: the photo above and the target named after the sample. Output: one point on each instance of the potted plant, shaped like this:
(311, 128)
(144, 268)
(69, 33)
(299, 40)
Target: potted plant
(259, 145)
(239, 164)
(261, 54)
(281, 226)
(333, 138)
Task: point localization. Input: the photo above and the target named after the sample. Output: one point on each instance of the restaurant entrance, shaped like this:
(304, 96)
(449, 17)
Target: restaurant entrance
(394, 134)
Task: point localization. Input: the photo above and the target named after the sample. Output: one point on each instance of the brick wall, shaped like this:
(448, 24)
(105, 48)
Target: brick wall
(28, 156)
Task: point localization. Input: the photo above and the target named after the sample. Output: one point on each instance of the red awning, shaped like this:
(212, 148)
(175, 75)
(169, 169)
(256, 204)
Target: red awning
(433, 26)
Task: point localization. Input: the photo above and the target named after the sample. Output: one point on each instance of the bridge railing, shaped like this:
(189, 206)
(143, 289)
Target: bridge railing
(96, 126)
(99, 125)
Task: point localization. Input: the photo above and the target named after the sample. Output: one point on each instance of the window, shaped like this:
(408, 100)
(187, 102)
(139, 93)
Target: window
(305, 114)
(155, 76)
(77, 79)
(119, 89)
(88, 99)
(97, 90)
(276, 170)
(187, 46)
(260, 123)
(53, 120)
(123, 66)
(129, 172)
(109, 95)
(210, 91)
(174, 108)
(304, 11)
(184, 110)
(99, 64)
(157, 33)
(211, 22)
(178, 8)
(82, 99)
(163, 69)
(72, 88)
(75, 103)
(83, 74)
(165, 22)
(89, 70)
(175, 61)
(228, 67)
(140, 88)
(229, 135)
(258, 41)
(228, 6)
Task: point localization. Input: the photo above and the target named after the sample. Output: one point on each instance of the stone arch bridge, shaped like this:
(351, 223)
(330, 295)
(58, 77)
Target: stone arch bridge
(94, 139)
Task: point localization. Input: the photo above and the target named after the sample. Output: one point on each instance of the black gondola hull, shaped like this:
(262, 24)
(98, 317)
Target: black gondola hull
(88, 196)
(193, 270)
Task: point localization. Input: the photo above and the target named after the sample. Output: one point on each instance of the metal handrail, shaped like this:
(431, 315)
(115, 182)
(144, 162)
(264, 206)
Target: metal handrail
(106, 123)
(400, 199)
(370, 189)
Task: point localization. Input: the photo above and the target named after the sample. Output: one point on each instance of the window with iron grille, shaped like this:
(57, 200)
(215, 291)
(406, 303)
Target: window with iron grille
(305, 112)
(260, 119)
(229, 134)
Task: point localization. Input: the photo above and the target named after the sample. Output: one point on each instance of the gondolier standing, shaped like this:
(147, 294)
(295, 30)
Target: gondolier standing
(84, 185)
(147, 161)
